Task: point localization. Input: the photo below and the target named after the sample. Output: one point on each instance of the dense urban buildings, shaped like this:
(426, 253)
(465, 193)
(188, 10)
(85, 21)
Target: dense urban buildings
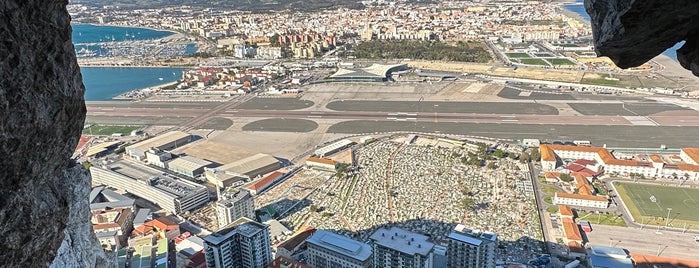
(399, 248)
(243, 243)
(330, 250)
(233, 204)
(468, 248)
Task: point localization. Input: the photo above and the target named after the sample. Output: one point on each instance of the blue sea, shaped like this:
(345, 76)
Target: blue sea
(89, 33)
(104, 83)
(580, 9)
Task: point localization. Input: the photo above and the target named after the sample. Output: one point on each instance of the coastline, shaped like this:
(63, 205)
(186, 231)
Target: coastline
(126, 26)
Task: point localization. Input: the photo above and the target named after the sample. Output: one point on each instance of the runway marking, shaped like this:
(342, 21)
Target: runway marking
(411, 119)
(509, 120)
(391, 118)
(508, 116)
(314, 116)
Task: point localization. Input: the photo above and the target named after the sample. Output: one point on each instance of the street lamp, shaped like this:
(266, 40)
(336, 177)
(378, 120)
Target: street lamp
(667, 220)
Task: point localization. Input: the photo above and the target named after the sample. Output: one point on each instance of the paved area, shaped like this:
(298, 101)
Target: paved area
(612, 135)
(443, 107)
(646, 241)
(281, 125)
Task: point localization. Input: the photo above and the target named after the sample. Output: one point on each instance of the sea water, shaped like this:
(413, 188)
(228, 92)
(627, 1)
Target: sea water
(104, 83)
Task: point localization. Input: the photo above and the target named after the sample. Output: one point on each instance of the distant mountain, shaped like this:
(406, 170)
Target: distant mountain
(250, 5)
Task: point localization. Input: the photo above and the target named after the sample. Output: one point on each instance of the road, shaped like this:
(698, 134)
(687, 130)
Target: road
(201, 115)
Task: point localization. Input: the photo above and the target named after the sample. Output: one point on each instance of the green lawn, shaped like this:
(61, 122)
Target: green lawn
(560, 61)
(549, 190)
(517, 55)
(533, 61)
(684, 203)
(601, 218)
(548, 200)
(109, 130)
(553, 209)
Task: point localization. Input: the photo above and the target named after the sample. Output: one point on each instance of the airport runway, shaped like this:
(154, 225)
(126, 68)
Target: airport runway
(227, 110)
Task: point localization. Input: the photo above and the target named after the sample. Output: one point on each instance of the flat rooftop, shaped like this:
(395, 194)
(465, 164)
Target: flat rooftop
(243, 226)
(189, 163)
(249, 164)
(155, 178)
(402, 240)
(341, 244)
(158, 140)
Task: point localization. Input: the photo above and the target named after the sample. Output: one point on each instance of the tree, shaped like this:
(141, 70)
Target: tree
(535, 155)
(491, 165)
(499, 153)
(524, 157)
(565, 177)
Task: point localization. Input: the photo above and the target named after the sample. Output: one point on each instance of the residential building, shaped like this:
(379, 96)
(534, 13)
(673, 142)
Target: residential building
(399, 248)
(330, 250)
(163, 226)
(571, 231)
(234, 204)
(172, 194)
(552, 154)
(167, 141)
(580, 200)
(112, 216)
(242, 244)
(468, 248)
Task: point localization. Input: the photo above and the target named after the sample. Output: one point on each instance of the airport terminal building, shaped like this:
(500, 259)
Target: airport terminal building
(373, 73)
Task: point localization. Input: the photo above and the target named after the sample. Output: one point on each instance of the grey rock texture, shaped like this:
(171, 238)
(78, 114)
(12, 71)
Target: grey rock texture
(631, 32)
(80, 247)
(41, 115)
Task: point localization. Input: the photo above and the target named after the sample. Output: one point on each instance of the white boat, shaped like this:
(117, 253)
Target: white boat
(161, 79)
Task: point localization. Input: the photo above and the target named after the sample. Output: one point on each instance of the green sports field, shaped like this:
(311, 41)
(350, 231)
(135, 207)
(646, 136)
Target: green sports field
(683, 201)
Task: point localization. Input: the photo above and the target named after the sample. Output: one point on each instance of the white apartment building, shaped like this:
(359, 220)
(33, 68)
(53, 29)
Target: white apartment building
(242, 244)
(234, 204)
(399, 248)
(552, 154)
(579, 200)
(468, 248)
(330, 250)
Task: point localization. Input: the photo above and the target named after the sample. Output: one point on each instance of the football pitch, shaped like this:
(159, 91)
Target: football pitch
(649, 203)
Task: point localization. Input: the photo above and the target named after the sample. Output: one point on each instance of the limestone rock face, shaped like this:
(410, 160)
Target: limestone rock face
(80, 247)
(631, 32)
(41, 115)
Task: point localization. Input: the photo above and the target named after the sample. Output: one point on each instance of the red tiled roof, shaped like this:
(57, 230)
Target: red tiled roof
(693, 153)
(648, 261)
(297, 239)
(584, 162)
(82, 143)
(266, 180)
(576, 247)
(321, 160)
(552, 175)
(572, 230)
(565, 210)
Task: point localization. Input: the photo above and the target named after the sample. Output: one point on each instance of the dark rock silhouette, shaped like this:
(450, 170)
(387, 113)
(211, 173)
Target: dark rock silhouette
(42, 112)
(631, 32)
